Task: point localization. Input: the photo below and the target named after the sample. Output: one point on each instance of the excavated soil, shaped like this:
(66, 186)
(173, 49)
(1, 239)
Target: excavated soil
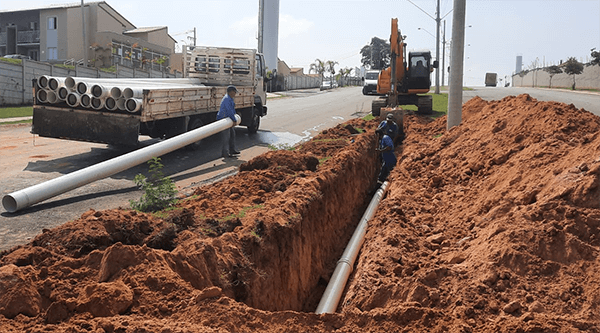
(492, 226)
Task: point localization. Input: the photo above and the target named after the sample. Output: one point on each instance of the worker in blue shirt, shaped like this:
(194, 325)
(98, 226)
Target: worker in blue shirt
(389, 127)
(227, 110)
(386, 147)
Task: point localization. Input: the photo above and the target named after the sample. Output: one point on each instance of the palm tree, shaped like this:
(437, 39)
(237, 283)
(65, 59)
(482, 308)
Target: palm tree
(318, 67)
(330, 66)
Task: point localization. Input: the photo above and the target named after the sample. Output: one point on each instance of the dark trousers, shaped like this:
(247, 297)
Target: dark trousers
(227, 141)
(385, 171)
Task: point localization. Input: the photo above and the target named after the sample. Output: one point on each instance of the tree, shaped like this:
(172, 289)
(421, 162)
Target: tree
(573, 67)
(553, 70)
(318, 67)
(595, 57)
(330, 66)
(376, 55)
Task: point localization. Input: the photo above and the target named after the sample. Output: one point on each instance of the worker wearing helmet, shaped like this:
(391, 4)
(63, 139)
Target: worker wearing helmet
(227, 110)
(389, 127)
(386, 147)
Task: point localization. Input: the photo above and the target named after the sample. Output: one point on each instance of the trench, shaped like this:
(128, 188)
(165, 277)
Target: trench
(296, 262)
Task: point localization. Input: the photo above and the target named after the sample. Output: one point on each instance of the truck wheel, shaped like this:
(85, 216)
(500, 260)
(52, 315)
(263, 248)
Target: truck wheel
(364, 90)
(253, 127)
(193, 124)
(376, 106)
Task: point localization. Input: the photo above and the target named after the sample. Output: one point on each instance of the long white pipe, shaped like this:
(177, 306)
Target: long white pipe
(24, 198)
(62, 93)
(56, 82)
(133, 105)
(73, 99)
(86, 100)
(43, 81)
(333, 293)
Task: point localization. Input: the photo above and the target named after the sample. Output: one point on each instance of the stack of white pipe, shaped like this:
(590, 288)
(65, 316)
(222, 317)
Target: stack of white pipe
(104, 94)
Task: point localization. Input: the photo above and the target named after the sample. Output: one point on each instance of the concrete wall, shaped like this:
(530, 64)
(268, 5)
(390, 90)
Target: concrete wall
(589, 79)
(16, 79)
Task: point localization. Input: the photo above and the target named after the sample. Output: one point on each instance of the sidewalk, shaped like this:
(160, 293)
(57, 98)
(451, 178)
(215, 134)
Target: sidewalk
(8, 120)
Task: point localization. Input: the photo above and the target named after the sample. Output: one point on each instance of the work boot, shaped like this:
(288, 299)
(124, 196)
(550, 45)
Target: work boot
(234, 152)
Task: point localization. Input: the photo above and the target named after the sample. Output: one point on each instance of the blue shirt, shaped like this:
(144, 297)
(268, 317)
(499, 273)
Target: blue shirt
(389, 127)
(388, 156)
(227, 108)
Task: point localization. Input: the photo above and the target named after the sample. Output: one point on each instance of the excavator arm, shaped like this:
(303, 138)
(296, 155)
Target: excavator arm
(388, 83)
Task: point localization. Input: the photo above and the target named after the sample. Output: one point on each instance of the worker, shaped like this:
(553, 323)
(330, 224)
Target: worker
(386, 147)
(419, 70)
(227, 110)
(389, 127)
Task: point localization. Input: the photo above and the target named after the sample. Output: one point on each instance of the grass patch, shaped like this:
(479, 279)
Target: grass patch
(281, 146)
(12, 61)
(440, 103)
(241, 214)
(12, 112)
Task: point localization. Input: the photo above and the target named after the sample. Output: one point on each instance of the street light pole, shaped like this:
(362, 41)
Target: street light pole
(437, 49)
(456, 66)
(444, 53)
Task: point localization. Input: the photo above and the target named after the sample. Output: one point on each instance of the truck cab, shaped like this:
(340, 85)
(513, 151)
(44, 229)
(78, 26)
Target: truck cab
(370, 82)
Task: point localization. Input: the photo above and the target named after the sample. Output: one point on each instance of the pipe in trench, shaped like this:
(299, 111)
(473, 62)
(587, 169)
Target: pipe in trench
(29, 196)
(333, 293)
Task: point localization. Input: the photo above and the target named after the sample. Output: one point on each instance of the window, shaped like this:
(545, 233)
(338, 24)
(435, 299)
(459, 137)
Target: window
(52, 23)
(33, 26)
(52, 53)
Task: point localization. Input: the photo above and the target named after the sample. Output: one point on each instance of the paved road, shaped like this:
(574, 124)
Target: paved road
(26, 160)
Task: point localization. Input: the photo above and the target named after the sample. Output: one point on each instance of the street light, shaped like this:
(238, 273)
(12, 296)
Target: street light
(426, 32)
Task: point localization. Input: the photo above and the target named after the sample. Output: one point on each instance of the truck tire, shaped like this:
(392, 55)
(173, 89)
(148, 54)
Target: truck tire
(255, 123)
(194, 123)
(364, 91)
(376, 106)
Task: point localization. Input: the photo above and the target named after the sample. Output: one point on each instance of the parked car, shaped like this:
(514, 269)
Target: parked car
(326, 85)
(17, 56)
(370, 82)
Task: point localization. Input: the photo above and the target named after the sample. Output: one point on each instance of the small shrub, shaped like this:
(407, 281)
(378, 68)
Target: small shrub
(159, 191)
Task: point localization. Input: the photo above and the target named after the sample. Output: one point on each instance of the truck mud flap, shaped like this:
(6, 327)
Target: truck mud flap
(87, 126)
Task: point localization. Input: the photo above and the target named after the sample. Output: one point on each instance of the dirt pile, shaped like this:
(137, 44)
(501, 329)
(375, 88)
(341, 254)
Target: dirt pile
(490, 227)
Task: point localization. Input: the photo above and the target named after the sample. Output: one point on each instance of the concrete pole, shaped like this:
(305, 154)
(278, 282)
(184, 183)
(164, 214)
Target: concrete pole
(456, 64)
(85, 47)
(444, 52)
(261, 17)
(437, 48)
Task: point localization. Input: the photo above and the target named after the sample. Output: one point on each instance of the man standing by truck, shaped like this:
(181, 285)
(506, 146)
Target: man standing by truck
(227, 110)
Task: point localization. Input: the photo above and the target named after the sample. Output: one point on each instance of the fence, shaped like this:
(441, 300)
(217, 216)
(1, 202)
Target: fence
(16, 79)
(589, 79)
(301, 82)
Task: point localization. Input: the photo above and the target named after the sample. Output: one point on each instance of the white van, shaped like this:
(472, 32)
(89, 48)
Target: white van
(370, 84)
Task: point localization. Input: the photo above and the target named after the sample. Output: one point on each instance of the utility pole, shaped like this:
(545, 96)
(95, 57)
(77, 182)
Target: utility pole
(444, 53)
(437, 49)
(85, 47)
(456, 65)
(261, 17)
(195, 37)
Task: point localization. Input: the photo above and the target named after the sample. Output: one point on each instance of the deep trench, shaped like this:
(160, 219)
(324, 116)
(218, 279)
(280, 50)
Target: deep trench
(298, 262)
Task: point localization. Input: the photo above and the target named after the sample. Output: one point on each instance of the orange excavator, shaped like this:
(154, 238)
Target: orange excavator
(406, 78)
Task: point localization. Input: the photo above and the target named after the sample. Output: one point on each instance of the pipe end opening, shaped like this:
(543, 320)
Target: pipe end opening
(9, 203)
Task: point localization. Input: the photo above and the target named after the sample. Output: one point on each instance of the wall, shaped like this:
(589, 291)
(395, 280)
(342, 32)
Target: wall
(16, 79)
(589, 79)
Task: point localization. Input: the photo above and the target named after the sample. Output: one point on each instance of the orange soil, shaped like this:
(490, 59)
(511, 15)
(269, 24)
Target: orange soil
(489, 227)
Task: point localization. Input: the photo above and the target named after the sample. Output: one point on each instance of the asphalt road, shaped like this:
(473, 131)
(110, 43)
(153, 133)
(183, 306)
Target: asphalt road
(27, 160)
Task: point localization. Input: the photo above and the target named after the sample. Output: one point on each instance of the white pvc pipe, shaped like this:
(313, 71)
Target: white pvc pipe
(116, 92)
(24, 198)
(130, 92)
(133, 105)
(43, 81)
(55, 83)
(82, 88)
(99, 91)
(62, 93)
(333, 293)
(86, 100)
(73, 99)
(110, 103)
(98, 103)
(121, 104)
(52, 97)
(42, 95)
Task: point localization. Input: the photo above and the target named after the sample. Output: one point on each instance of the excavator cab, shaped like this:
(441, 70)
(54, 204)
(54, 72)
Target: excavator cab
(419, 70)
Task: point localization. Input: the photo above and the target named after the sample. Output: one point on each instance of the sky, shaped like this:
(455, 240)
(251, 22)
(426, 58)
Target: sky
(543, 32)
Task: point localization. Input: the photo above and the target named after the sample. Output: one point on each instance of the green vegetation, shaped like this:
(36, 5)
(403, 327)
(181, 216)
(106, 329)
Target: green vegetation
(241, 214)
(281, 146)
(323, 159)
(159, 191)
(12, 61)
(368, 117)
(12, 112)
(440, 103)
(65, 66)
